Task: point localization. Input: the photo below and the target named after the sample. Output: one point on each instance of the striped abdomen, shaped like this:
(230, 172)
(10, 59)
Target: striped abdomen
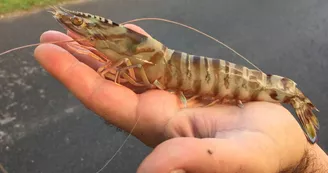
(199, 75)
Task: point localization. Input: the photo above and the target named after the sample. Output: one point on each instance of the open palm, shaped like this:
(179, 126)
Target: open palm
(261, 137)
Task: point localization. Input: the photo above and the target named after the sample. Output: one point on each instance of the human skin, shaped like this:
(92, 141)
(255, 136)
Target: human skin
(260, 137)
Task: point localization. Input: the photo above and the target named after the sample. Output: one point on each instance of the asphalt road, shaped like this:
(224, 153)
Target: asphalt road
(43, 128)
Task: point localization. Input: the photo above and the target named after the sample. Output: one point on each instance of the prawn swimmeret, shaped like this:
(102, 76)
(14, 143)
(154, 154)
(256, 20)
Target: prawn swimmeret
(131, 57)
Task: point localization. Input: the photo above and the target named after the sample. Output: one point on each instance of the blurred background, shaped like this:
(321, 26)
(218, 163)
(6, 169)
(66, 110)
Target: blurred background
(43, 128)
(10, 6)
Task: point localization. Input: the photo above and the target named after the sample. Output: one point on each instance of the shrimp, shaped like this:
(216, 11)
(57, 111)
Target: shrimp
(144, 61)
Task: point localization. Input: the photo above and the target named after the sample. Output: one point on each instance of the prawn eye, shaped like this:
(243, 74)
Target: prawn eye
(77, 21)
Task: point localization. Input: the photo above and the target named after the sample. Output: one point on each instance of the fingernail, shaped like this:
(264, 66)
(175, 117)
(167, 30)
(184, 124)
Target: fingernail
(178, 171)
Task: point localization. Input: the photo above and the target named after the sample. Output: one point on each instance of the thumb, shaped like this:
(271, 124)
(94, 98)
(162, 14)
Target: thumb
(193, 155)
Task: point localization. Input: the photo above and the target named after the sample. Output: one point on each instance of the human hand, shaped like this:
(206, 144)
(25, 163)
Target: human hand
(261, 137)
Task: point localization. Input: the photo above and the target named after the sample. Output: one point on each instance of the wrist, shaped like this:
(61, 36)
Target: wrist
(314, 160)
(317, 160)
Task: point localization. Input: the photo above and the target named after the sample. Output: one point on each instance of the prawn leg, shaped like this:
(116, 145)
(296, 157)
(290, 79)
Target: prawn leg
(183, 99)
(159, 85)
(142, 74)
(193, 102)
(104, 70)
(212, 103)
(240, 104)
(89, 51)
(156, 83)
(108, 67)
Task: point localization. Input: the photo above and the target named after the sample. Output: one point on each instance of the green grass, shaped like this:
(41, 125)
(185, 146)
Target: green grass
(8, 6)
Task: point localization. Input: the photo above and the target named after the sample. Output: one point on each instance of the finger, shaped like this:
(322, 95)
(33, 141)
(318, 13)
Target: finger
(51, 36)
(137, 29)
(115, 103)
(193, 155)
(73, 35)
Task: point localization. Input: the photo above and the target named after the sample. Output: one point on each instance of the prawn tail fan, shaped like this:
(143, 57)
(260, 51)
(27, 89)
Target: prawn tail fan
(304, 110)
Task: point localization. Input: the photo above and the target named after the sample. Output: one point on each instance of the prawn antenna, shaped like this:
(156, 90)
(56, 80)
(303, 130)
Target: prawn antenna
(35, 44)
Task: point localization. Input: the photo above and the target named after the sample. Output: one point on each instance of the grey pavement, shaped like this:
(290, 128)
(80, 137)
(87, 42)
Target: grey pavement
(43, 128)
